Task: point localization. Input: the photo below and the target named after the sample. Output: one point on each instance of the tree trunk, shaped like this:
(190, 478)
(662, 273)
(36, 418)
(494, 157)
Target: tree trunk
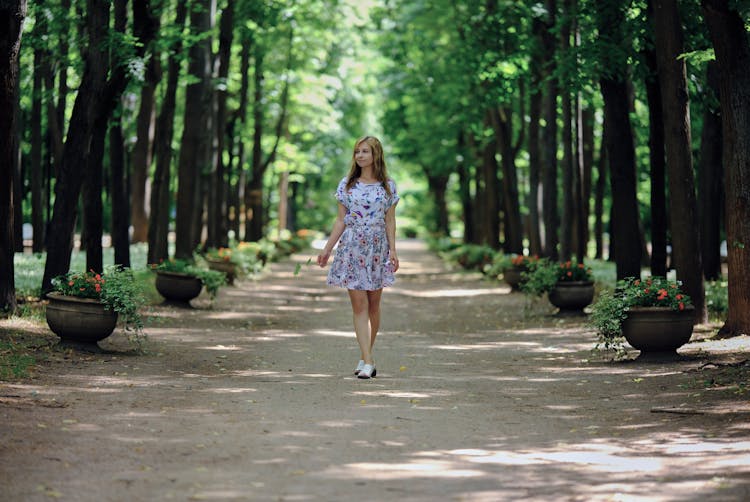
(283, 200)
(549, 140)
(624, 231)
(146, 25)
(438, 186)
(710, 181)
(238, 190)
(658, 169)
(254, 189)
(533, 229)
(586, 162)
(119, 191)
(732, 48)
(464, 183)
(217, 220)
(88, 104)
(255, 214)
(93, 182)
(12, 14)
(683, 206)
(195, 147)
(158, 228)
(37, 147)
(502, 124)
(18, 178)
(567, 223)
(492, 193)
(568, 184)
(601, 187)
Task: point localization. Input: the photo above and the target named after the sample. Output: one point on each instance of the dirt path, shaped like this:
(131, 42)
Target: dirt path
(479, 396)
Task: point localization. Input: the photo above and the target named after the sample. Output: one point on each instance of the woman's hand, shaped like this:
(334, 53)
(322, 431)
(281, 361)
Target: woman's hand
(394, 259)
(323, 258)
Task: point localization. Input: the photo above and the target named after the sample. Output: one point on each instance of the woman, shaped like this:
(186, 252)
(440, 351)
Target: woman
(365, 259)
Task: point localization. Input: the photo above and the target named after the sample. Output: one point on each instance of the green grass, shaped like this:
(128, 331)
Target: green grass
(15, 360)
(29, 268)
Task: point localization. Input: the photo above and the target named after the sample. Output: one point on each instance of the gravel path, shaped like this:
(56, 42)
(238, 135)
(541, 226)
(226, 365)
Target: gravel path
(480, 395)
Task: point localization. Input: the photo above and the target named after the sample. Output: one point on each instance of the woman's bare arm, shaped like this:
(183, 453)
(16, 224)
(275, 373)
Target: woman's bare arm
(390, 233)
(338, 229)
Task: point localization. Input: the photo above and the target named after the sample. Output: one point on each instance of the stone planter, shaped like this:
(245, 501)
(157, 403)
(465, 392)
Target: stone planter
(572, 296)
(658, 329)
(512, 276)
(177, 287)
(228, 267)
(79, 319)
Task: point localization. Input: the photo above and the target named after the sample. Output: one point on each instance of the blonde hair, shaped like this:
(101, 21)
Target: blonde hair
(378, 164)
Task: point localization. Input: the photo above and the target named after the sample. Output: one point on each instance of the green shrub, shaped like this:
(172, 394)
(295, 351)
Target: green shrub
(717, 300)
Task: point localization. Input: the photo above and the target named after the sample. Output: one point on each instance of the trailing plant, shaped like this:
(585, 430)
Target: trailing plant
(472, 256)
(544, 274)
(115, 287)
(611, 308)
(212, 280)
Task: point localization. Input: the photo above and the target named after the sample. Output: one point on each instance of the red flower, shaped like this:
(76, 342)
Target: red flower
(70, 283)
(681, 306)
(679, 296)
(570, 274)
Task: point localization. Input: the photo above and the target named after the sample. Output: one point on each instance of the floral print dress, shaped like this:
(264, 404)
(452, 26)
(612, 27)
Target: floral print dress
(362, 259)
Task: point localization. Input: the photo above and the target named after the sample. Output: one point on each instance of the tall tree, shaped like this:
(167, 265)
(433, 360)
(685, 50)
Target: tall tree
(533, 229)
(619, 140)
(567, 223)
(12, 15)
(254, 207)
(88, 104)
(711, 178)
(217, 200)
(732, 49)
(195, 147)
(657, 161)
(146, 24)
(158, 228)
(683, 205)
(550, 213)
(119, 194)
(40, 35)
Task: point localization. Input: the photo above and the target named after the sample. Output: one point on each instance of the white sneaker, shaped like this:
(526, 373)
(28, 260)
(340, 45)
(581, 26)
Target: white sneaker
(360, 366)
(367, 372)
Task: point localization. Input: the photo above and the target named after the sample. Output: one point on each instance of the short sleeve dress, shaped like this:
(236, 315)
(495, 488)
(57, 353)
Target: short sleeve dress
(362, 259)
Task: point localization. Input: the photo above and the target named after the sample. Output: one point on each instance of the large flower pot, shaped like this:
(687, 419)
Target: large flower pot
(177, 287)
(79, 319)
(228, 267)
(512, 276)
(658, 329)
(572, 295)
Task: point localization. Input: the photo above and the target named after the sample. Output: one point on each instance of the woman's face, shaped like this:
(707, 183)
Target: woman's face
(363, 155)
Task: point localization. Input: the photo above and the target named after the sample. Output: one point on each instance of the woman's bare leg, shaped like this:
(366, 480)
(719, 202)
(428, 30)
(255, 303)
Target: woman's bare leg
(373, 310)
(361, 323)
